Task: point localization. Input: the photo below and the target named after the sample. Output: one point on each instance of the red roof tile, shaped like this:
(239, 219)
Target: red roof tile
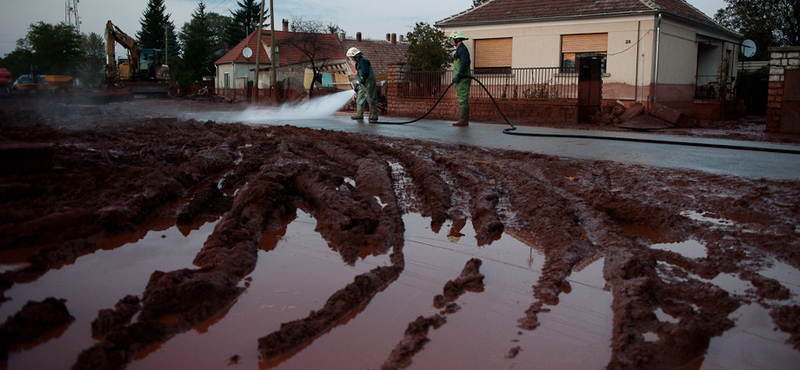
(380, 53)
(287, 54)
(513, 11)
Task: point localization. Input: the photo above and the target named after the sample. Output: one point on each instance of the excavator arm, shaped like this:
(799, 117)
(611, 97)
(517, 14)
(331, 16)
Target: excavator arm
(113, 36)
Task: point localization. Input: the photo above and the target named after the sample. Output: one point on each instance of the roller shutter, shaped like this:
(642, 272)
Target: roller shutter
(584, 43)
(493, 53)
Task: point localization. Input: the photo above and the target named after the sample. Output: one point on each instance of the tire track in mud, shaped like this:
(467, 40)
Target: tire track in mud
(574, 211)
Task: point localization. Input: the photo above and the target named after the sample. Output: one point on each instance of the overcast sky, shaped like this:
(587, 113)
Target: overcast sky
(373, 18)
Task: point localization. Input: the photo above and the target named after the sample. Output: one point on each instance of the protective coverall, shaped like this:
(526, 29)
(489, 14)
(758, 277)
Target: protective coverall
(366, 78)
(461, 64)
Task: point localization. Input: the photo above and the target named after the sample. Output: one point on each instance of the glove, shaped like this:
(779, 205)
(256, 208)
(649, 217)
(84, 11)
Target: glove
(356, 85)
(457, 78)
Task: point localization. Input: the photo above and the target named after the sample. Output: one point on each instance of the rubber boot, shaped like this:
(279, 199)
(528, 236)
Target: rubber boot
(463, 117)
(373, 113)
(359, 112)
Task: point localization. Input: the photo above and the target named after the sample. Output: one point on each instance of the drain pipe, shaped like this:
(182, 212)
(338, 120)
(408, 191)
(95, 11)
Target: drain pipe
(658, 50)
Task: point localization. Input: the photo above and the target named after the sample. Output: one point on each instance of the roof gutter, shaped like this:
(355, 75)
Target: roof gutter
(601, 15)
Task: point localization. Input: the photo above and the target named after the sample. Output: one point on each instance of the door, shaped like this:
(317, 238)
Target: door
(590, 85)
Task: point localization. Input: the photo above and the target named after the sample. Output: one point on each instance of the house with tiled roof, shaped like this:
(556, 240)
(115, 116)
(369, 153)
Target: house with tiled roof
(235, 71)
(380, 53)
(654, 51)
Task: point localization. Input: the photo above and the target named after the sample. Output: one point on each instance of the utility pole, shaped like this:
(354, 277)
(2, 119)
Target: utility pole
(258, 49)
(166, 45)
(273, 63)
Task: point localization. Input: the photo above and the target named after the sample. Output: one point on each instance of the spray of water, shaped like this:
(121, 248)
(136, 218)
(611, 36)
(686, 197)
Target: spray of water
(317, 108)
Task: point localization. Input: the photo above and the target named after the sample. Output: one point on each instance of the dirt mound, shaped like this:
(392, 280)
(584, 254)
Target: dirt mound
(108, 178)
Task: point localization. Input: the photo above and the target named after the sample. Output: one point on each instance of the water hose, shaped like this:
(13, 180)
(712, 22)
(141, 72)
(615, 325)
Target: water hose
(512, 131)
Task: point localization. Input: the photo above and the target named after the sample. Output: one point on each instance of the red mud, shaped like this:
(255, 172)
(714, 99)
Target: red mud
(113, 171)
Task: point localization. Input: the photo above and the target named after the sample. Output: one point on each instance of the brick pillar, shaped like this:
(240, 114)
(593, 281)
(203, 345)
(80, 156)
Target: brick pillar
(394, 86)
(782, 58)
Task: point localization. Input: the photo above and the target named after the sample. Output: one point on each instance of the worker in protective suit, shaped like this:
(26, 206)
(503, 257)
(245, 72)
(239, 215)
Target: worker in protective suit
(461, 65)
(365, 85)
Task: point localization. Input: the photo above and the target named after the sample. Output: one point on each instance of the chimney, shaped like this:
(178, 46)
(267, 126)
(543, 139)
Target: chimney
(394, 39)
(388, 37)
(358, 36)
(401, 39)
(285, 25)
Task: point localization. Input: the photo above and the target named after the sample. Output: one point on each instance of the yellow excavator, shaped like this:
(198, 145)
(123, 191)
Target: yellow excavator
(143, 71)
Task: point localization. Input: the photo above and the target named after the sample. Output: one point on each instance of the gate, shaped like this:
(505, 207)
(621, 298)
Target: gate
(590, 85)
(790, 106)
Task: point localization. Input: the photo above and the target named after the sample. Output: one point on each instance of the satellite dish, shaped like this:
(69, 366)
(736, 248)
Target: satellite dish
(247, 52)
(748, 48)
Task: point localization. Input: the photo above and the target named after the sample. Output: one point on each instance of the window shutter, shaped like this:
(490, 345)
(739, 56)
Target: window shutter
(493, 53)
(584, 43)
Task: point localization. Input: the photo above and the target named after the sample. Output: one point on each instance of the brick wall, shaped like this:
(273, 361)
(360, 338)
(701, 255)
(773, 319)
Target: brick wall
(781, 59)
(482, 109)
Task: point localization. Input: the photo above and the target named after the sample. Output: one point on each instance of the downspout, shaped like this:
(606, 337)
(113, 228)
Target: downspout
(658, 49)
(636, 79)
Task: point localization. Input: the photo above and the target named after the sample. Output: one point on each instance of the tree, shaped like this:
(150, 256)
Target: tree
(91, 69)
(477, 2)
(217, 24)
(18, 62)
(308, 36)
(428, 48)
(767, 22)
(55, 48)
(244, 21)
(154, 22)
(196, 60)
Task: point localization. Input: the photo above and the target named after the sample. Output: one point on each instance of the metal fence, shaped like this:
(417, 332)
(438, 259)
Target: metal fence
(507, 83)
(709, 88)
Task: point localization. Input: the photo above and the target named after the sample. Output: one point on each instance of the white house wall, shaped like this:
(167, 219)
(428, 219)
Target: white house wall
(539, 45)
(631, 66)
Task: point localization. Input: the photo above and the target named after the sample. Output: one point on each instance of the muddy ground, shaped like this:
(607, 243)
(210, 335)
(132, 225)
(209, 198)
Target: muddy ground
(112, 170)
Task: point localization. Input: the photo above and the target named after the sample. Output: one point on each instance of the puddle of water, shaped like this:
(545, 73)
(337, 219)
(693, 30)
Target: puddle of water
(787, 275)
(665, 317)
(704, 217)
(121, 266)
(296, 273)
(689, 249)
(751, 344)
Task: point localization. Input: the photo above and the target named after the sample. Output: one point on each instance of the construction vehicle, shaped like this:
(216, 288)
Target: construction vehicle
(35, 83)
(5, 81)
(142, 71)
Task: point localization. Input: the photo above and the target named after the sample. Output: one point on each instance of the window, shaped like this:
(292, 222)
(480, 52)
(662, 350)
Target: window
(227, 80)
(493, 55)
(573, 45)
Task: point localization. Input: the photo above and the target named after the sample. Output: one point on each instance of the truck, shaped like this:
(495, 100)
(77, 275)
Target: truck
(142, 71)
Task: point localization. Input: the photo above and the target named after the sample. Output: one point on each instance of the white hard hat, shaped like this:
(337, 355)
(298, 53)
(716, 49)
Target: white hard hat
(353, 52)
(458, 35)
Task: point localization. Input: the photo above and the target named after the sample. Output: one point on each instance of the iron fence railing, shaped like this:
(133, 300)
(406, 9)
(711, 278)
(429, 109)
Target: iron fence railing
(506, 83)
(708, 87)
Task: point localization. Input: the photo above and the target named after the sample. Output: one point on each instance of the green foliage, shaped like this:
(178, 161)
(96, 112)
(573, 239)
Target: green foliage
(428, 48)
(217, 24)
(18, 62)
(154, 22)
(244, 21)
(53, 49)
(196, 60)
(91, 69)
(767, 22)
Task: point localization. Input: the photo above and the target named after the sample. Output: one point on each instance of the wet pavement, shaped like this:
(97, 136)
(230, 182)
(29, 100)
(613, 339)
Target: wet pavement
(717, 159)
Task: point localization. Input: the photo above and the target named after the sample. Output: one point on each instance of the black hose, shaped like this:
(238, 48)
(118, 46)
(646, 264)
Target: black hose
(510, 131)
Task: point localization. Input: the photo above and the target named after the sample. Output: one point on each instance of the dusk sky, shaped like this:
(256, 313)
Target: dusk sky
(374, 19)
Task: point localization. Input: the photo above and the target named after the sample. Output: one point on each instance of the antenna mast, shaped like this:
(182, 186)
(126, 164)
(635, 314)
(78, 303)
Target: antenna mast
(71, 16)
